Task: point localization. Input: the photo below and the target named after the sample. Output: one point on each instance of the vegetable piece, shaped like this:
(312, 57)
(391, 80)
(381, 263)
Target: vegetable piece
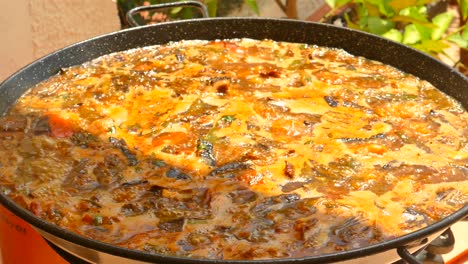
(229, 170)
(350, 140)
(330, 101)
(173, 225)
(59, 127)
(205, 150)
(41, 126)
(109, 171)
(122, 145)
(133, 209)
(177, 174)
(243, 196)
(84, 139)
(291, 186)
(80, 177)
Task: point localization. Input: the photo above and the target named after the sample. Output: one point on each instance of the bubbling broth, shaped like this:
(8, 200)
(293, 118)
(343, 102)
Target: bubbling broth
(236, 149)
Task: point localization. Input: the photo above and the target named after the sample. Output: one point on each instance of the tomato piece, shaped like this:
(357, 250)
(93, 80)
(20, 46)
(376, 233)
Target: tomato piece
(60, 127)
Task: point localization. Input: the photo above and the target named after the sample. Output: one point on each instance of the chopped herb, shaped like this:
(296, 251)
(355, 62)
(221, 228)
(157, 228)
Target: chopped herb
(202, 145)
(205, 150)
(296, 64)
(112, 130)
(228, 118)
(97, 220)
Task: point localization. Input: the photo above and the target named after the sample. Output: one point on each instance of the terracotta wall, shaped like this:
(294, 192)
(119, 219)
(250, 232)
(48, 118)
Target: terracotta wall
(30, 29)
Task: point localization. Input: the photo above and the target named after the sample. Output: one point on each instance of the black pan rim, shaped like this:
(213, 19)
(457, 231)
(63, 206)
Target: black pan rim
(243, 19)
(142, 256)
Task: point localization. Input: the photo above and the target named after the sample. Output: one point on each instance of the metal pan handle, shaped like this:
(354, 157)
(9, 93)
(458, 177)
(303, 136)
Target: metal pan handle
(407, 256)
(133, 23)
(441, 245)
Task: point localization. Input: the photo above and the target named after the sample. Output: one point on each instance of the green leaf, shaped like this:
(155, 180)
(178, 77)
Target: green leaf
(331, 3)
(336, 3)
(176, 10)
(378, 25)
(424, 32)
(464, 34)
(433, 47)
(212, 6)
(402, 4)
(411, 35)
(253, 5)
(459, 40)
(411, 20)
(393, 34)
(363, 15)
(384, 7)
(463, 4)
(417, 12)
(371, 9)
(442, 21)
(342, 2)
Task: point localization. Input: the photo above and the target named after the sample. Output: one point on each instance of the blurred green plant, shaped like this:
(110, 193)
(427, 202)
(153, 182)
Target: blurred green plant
(408, 22)
(212, 6)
